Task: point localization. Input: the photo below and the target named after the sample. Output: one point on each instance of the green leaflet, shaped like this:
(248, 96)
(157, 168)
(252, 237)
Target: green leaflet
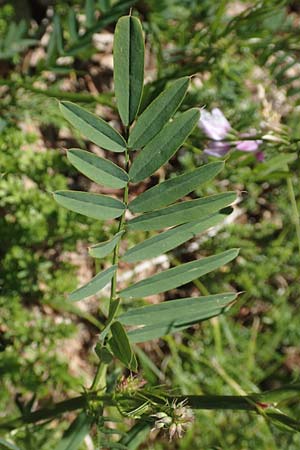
(100, 170)
(96, 206)
(128, 67)
(5, 445)
(75, 434)
(158, 113)
(171, 190)
(105, 248)
(135, 437)
(120, 346)
(163, 145)
(94, 285)
(167, 317)
(182, 212)
(92, 127)
(163, 242)
(177, 276)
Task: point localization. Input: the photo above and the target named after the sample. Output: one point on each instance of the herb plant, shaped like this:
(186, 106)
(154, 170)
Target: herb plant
(148, 141)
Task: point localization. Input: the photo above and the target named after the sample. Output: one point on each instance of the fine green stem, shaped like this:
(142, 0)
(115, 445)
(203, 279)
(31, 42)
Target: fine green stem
(60, 95)
(99, 380)
(295, 212)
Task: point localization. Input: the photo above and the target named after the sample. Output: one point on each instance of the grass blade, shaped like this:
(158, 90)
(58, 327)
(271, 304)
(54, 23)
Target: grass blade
(75, 434)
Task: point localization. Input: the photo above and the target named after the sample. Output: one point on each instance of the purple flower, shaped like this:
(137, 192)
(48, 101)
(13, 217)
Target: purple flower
(214, 124)
(248, 146)
(217, 148)
(216, 127)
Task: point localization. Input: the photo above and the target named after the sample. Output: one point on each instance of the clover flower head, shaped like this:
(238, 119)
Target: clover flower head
(176, 420)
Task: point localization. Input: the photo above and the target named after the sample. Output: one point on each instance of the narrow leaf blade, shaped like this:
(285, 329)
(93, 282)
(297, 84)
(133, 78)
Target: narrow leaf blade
(155, 321)
(92, 127)
(158, 113)
(105, 248)
(171, 190)
(121, 348)
(166, 241)
(76, 433)
(100, 170)
(177, 276)
(94, 285)
(182, 212)
(128, 67)
(163, 145)
(97, 206)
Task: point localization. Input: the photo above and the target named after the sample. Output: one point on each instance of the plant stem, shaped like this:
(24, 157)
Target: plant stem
(120, 228)
(295, 212)
(100, 375)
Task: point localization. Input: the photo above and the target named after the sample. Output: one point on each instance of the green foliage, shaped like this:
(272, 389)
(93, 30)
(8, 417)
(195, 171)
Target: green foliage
(230, 53)
(128, 67)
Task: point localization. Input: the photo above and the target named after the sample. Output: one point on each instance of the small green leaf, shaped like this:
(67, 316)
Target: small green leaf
(100, 170)
(73, 25)
(121, 348)
(92, 127)
(94, 285)
(90, 9)
(75, 434)
(105, 248)
(128, 67)
(166, 241)
(182, 212)
(177, 276)
(96, 206)
(136, 436)
(58, 34)
(158, 113)
(5, 445)
(163, 145)
(171, 190)
(158, 320)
